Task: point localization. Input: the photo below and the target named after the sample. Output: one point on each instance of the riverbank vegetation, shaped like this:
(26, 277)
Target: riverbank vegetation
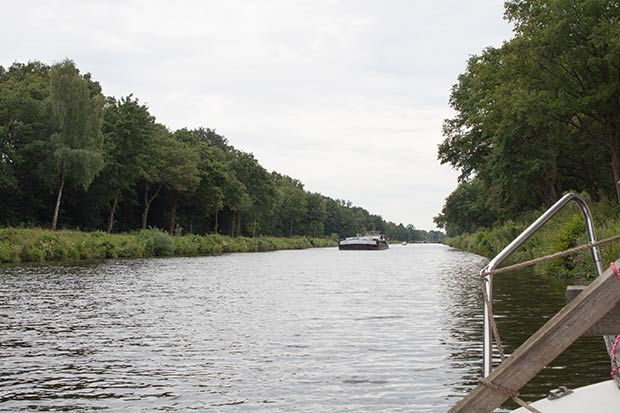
(73, 158)
(35, 245)
(564, 231)
(534, 119)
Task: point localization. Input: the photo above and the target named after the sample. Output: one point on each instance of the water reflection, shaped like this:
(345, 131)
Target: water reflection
(460, 289)
(292, 331)
(524, 302)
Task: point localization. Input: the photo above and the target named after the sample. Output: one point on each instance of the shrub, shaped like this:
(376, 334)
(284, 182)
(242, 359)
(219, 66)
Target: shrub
(7, 253)
(162, 243)
(187, 244)
(564, 231)
(41, 245)
(31, 254)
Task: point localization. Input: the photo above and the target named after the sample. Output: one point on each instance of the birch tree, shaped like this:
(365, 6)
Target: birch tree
(76, 144)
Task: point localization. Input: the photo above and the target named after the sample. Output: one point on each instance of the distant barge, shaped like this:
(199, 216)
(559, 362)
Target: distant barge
(364, 242)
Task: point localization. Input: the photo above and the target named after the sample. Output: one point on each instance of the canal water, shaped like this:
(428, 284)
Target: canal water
(317, 330)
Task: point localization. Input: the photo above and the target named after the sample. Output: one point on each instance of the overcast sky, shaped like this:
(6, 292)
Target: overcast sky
(346, 96)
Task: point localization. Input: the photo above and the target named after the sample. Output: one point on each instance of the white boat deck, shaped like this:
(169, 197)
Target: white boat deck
(596, 398)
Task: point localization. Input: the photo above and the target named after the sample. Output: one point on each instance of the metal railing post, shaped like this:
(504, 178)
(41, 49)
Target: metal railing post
(516, 243)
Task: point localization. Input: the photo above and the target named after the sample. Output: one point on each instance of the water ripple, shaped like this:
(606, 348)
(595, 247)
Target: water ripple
(291, 331)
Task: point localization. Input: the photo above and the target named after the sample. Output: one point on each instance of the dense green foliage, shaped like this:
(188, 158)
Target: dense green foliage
(566, 230)
(72, 157)
(538, 116)
(35, 245)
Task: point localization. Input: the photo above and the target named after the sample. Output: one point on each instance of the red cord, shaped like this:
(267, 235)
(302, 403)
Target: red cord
(615, 346)
(613, 355)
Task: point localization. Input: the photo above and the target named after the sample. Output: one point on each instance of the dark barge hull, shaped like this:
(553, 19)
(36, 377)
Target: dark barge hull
(368, 247)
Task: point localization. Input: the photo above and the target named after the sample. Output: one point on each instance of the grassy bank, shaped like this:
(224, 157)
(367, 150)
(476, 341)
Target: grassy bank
(564, 231)
(34, 245)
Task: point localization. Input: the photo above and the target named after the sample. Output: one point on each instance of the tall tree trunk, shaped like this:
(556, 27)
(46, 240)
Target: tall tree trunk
(192, 212)
(615, 168)
(191, 219)
(232, 232)
(58, 199)
(112, 213)
(145, 212)
(254, 228)
(147, 203)
(548, 185)
(217, 215)
(553, 181)
(613, 142)
(173, 214)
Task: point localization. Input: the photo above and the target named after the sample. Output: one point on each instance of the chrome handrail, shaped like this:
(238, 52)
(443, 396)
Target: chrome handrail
(516, 243)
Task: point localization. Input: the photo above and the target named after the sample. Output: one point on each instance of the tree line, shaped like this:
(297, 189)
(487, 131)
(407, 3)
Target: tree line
(538, 116)
(71, 157)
